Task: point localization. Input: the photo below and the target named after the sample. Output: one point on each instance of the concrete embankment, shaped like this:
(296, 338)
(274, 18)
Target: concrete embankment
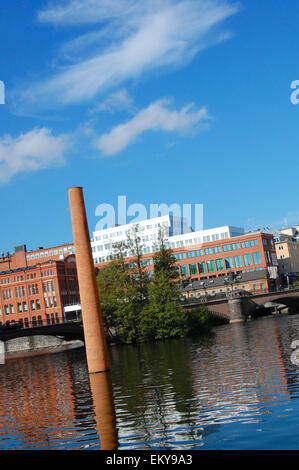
(38, 344)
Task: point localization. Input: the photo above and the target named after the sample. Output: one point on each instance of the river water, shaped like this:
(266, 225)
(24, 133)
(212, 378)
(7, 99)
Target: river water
(235, 389)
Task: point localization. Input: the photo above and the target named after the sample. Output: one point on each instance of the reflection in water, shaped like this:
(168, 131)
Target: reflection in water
(102, 396)
(235, 389)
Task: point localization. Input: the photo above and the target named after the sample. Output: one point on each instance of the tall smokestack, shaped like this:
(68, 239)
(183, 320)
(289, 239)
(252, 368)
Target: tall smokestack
(94, 333)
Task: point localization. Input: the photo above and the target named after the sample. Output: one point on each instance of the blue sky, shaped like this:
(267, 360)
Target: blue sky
(173, 101)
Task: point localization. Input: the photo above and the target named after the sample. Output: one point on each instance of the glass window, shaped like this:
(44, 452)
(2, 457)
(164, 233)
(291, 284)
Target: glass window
(192, 269)
(247, 260)
(229, 262)
(202, 267)
(184, 270)
(257, 258)
(238, 261)
(193, 254)
(220, 264)
(211, 266)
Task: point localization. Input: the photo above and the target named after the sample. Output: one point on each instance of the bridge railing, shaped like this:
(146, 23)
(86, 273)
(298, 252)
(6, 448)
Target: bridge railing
(26, 323)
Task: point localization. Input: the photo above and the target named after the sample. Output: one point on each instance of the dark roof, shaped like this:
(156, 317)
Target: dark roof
(225, 280)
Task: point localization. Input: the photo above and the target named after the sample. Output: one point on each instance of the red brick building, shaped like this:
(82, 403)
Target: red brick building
(37, 294)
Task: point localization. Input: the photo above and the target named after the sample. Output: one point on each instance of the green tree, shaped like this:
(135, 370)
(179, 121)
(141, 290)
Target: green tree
(163, 317)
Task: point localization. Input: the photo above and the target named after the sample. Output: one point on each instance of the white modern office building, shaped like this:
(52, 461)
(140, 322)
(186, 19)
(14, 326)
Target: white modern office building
(177, 230)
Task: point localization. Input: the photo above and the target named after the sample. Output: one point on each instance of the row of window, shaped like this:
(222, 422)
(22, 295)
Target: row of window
(18, 278)
(20, 291)
(50, 319)
(34, 305)
(50, 253)
(220, 264)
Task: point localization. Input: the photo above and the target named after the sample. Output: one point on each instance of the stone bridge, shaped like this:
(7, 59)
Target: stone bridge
(68, 331)
(238, 305)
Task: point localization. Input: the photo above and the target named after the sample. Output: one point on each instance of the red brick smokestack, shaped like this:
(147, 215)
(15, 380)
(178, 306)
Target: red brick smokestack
(94, 333)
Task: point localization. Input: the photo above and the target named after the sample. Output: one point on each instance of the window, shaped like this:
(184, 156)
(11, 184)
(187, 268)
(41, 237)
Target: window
(213, 250)
(220, 264)
(257, 258)
(19, 307)
(249, 243)
(231, 246)
(238, 261)
(192, 269)
(193, 254)
(37, 304)
(11, 308)
(179, 255)
(229, 262)
(211, 266)
(24, 306)
(247, 260)
(184, 270)
(265, 241)
(201, 267)
(32, 305)
(268, 257)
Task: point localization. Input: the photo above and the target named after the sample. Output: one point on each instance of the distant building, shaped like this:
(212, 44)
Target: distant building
(177, 231)
(43, 293)
(287, 251)
(202, 255)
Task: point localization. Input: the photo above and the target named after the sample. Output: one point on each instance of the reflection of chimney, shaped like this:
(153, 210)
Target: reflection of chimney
(102, 395)
(94, 333)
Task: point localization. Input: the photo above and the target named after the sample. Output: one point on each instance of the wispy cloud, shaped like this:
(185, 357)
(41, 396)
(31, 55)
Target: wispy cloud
(131, 39)
(31, 151)
(117, 101)
(157, 116)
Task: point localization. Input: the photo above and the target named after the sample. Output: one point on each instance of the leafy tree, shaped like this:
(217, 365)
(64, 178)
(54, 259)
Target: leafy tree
(163, 317)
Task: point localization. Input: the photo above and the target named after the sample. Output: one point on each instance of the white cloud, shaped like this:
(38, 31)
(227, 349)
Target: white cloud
(31, 151)
(157, 116)
(131, 38)
(118, 101)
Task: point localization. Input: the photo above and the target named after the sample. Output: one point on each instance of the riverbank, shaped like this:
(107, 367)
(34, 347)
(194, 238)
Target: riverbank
(32, 345)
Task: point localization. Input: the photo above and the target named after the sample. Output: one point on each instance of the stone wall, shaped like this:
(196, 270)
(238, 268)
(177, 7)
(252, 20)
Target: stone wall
(32, 343)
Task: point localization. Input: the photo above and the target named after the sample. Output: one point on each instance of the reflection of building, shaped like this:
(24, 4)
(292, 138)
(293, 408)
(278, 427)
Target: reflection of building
(37, 392)
(36, 294)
